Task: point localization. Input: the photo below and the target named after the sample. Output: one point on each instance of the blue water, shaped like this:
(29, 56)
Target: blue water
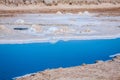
(20, 59)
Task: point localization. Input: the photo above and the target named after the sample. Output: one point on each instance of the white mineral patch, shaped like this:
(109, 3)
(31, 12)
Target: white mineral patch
(19, 21)
(37, 28)
(32, 30)
(52, 29)
(59, 13)
(86, 13)
(69, 13)
(80, 13)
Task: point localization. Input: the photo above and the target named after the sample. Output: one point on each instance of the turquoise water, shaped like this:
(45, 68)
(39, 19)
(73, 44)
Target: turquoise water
(20, 59)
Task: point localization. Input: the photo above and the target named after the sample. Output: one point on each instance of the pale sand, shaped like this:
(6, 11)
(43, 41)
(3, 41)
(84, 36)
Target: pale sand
(108, 70)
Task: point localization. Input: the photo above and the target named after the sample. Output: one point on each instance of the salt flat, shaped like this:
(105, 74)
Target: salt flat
(59, 26)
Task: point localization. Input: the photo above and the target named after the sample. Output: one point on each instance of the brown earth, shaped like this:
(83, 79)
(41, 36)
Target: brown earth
(62, 8)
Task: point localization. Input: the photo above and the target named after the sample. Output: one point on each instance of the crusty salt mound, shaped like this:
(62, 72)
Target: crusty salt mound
(19, 21)
(36, 28)
(5, 30)
(60, 13)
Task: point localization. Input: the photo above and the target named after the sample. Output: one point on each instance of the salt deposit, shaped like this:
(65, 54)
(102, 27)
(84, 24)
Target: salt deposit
(69, 13)
(86, 13)
(5, 30)
(59, 13)
(80, 13)
(19, 21)
(54, 27)
(36, 28)
(118, 54)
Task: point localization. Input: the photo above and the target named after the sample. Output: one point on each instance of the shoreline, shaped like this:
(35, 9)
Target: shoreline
(30, 41)
(81, 72)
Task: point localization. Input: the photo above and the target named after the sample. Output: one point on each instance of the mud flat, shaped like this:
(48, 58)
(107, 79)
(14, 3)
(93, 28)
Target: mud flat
(108, 70)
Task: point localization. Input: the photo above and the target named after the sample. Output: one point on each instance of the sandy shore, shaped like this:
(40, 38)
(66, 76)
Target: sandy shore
(108, 70)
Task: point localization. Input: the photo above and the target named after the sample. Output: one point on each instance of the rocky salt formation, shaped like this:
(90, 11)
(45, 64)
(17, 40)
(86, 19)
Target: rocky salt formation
(108, 70)
(36, 28)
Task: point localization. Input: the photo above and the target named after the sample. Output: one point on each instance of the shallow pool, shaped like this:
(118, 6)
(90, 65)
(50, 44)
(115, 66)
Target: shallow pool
(20, 59)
